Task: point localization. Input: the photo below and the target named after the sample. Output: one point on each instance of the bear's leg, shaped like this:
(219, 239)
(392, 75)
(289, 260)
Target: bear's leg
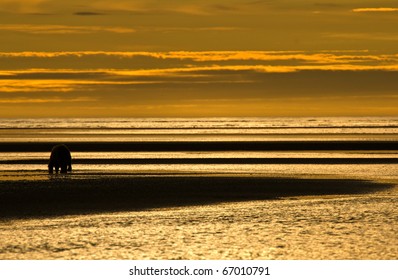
(50, 168)
(63, 168)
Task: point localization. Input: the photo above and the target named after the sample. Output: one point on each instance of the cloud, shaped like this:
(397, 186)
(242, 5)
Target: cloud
(191, 29)
(35, 85)
(32, 83)
(86, 13)
(375, 36)
(82, 29)
(96, 7)
(189, 59)
(190, 10)
(49, 80)
(63, 29)
(23, 6)
(126, 71)
(23, 100)
(374, 10)
(197, 83)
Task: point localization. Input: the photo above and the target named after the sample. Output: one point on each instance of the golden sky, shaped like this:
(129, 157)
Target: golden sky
(198, 58)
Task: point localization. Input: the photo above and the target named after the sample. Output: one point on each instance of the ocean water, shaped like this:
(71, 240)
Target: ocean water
(251, 188)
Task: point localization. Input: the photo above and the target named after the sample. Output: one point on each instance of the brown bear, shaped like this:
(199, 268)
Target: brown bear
(60, 158)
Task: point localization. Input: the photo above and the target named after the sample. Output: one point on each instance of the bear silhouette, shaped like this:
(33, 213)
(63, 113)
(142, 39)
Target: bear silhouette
(60, 158)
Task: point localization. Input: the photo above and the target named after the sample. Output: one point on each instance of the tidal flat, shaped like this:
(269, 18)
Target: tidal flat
(254, 188)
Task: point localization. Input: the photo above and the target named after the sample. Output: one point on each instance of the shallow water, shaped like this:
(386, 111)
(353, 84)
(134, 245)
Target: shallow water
(356, 227)
(205, 129)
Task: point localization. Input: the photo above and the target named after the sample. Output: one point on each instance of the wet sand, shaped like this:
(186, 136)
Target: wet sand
(83, 194)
